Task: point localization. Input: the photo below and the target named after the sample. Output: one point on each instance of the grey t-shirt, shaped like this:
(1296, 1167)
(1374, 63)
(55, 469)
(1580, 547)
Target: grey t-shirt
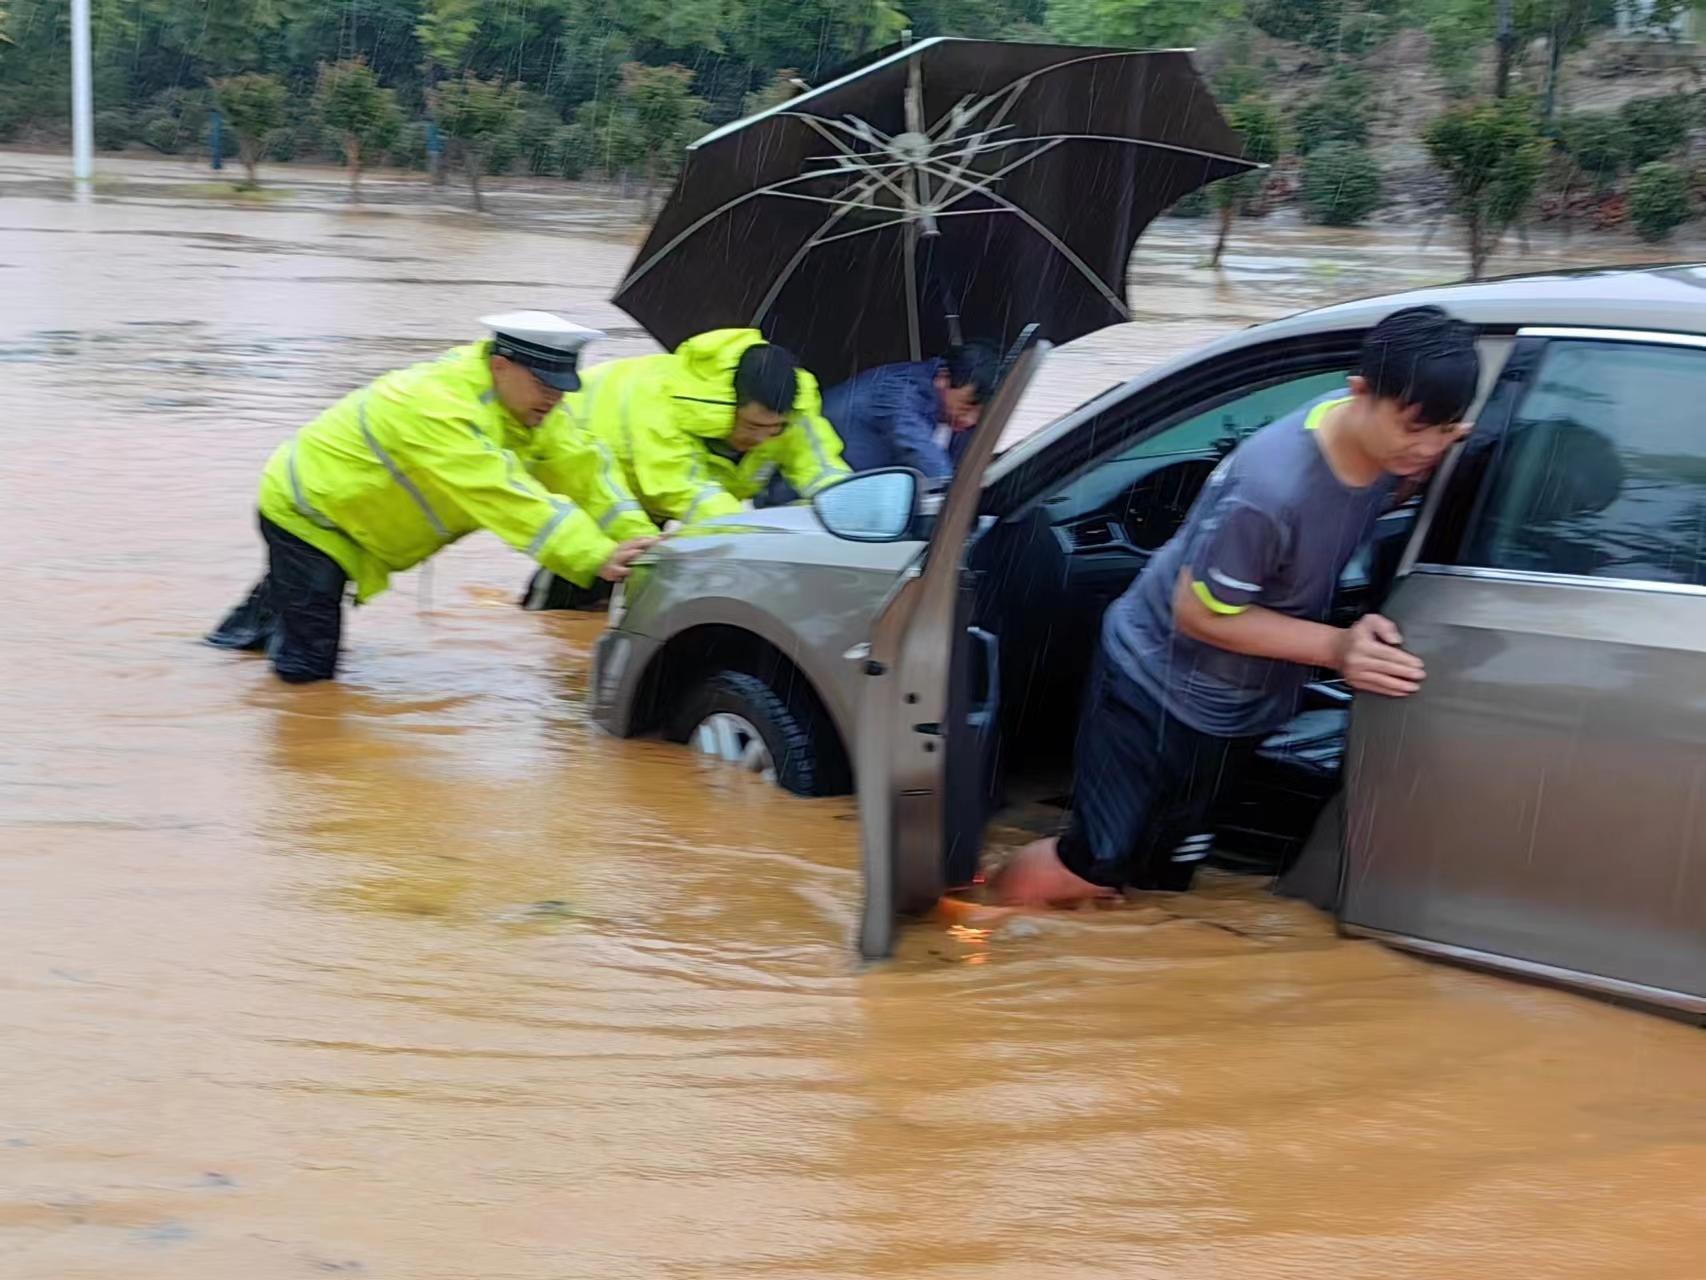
(1273, 527)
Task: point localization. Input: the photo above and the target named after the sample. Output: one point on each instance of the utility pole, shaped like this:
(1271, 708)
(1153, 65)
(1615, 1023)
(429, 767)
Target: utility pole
(82, 97)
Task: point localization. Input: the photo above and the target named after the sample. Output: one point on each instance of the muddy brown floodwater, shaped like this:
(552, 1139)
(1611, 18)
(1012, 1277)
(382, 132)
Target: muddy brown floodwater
(418, 977)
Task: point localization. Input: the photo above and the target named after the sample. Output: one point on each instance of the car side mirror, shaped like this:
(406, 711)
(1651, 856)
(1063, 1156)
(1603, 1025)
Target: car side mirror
(873, 506)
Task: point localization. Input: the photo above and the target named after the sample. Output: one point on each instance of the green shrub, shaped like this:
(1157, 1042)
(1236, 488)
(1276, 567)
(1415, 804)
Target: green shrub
(1658, 127)
(1194, 205)
(1362, 33)
(540, 139)
(1261, 136)
(409, 150)
(580, 149)
(503, 151)
(1311, 22)
(113, 129)
(1658, 200)
(1341, 185)
(1339, 113)
(1261, 133)
(162, 133)
(176, 119)
(1598, 143)
(303, 139)
(1236, 82)
(12, 112)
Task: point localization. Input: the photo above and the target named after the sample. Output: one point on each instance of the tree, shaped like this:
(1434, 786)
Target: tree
(1458, 30)
(1461, 29)
(1137, 24)
(1311, 22)
(663, 115)
(1341, 185)
(987, 19)
(542, 140)
(351, 103)
(1662, 16)
(782, 86)
(814, 35)
(1335, 26)
(1493, 156)
(607, 140)
(476, 115)
(445, 30)
(253, 105)
(1504, 35)
(1258, 129)
(1566, 23)
(1658, 200)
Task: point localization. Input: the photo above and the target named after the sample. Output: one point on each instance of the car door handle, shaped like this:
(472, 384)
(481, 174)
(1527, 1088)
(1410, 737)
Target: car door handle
(983, 715)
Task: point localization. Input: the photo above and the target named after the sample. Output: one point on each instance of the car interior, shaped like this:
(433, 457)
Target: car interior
(1045, 572)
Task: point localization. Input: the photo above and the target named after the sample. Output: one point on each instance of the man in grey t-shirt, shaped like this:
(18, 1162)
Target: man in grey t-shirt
(1207, 651)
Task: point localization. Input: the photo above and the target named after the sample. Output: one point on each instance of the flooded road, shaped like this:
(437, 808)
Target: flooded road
(418, 977)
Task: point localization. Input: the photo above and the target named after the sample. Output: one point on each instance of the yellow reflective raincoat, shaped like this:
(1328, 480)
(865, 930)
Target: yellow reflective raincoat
(644, 440)
(413, 461)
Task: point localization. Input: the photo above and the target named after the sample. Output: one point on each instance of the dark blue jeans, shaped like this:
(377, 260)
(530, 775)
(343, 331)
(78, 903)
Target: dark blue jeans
(295, 613)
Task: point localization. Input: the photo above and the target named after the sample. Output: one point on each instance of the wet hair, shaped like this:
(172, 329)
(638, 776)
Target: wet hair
(976, 365)
(767, 376)
(1421, 356)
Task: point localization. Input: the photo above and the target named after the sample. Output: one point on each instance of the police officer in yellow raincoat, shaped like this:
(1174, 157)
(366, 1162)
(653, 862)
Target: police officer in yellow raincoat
(402, 468)
(686, 436)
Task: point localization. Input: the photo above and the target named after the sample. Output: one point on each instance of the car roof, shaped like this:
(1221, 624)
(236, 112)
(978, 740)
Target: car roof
(1669, 297)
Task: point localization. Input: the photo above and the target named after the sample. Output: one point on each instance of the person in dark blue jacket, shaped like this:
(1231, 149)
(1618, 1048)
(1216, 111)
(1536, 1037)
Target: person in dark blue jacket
(916, 414)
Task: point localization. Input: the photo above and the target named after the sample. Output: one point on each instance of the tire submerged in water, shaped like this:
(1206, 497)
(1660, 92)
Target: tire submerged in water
(737, 712)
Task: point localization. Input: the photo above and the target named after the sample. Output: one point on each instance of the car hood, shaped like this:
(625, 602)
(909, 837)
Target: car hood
(792, 534)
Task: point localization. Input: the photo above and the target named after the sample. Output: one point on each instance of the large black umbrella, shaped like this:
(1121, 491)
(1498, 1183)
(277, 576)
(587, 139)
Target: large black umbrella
(943, 186)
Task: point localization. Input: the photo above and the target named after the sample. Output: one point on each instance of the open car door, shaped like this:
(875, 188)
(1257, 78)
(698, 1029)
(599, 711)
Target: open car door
(905, 739)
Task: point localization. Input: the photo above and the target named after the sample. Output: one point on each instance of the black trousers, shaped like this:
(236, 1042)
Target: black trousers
(1143, 785)
(295, 613)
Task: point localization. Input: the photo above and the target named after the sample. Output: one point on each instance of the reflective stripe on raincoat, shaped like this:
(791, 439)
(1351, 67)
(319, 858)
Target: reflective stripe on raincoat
(415, 460)
(642, 441)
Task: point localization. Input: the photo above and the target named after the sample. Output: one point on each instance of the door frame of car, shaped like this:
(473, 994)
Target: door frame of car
(900, 761)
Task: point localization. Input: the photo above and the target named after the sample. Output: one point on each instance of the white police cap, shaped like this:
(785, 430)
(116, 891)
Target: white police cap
(547, 345)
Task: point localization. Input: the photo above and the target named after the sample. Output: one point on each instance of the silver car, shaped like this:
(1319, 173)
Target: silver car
(1538, 808)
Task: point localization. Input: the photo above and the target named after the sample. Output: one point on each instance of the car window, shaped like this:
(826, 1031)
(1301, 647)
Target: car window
(1603, 470)
(1234, 419)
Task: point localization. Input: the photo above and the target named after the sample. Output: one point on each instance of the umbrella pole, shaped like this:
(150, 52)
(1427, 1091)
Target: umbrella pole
(918, 222)
(914, 342)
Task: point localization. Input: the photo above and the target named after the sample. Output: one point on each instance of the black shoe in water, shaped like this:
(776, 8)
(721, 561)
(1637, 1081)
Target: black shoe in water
(548, 591)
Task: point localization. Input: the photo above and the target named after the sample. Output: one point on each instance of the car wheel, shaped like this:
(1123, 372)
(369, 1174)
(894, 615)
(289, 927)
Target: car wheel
(740, 719)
